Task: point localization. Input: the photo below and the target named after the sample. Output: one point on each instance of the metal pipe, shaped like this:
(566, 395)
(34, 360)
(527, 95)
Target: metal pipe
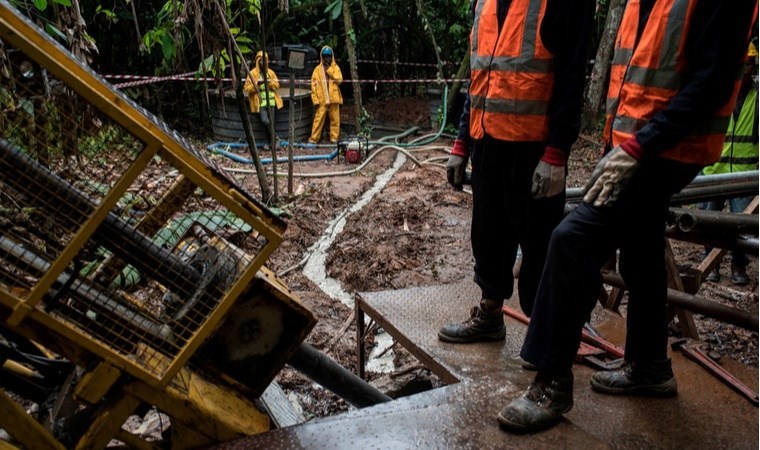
(335, 377)
(746, 244)
(706, 193)
(150, 329)
(721, 178)
(700, 305)
(716, 221)
(49, 191)
(702, 188)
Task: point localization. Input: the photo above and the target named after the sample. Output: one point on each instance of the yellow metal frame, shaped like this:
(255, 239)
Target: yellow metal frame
(82, 236)
(22, 34)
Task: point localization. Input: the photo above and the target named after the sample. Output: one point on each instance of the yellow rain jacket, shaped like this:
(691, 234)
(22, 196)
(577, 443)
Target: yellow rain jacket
(254, 85)
(324, 83)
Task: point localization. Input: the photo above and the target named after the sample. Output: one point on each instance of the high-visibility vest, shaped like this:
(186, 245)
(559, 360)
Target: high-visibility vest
(511, 73)
(647, 74)
(266, 95)
(740, 151)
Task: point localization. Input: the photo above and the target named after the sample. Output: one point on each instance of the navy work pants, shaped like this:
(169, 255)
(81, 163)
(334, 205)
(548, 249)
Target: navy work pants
(506, 215)
(579, 248)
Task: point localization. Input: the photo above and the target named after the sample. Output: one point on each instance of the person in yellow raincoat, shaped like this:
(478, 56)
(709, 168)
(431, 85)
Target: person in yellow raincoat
(326, 96)
(262, 96)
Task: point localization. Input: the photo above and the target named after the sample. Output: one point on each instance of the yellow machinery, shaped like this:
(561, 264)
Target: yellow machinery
(131, 268)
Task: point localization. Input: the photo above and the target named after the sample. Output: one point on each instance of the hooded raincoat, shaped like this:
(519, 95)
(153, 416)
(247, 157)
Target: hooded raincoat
(254, 86)
(326, 96)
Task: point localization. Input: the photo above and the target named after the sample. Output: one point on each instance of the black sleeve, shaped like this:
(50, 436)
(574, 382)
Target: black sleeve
(464, 121)
(566, 32)
(715, 48)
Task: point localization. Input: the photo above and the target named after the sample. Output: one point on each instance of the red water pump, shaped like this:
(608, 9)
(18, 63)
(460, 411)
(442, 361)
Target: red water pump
(354, 149)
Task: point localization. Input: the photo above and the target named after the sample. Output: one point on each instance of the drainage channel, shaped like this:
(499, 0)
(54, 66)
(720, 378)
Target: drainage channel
(315, 269)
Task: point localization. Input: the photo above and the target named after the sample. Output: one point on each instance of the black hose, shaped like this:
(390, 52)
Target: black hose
(335, 377)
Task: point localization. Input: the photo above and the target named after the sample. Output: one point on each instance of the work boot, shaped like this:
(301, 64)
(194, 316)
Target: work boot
(486, 323)
(739, 276)
(713, 276)
(541, 406)
(651, 378)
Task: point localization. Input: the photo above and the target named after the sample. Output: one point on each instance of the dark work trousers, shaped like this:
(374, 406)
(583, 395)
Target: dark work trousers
(578, 249)
(264, 116)
(505, 215)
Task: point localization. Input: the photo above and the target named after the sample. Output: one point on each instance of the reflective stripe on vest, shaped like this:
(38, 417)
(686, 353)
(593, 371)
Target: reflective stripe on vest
(647, 74)
(511, 73)
(740, 151)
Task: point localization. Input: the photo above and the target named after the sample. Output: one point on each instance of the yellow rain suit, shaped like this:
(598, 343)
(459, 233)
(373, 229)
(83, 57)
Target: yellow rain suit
(254, 86)
(326, 96)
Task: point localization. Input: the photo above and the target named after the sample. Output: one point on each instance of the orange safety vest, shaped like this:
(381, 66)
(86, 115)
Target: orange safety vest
(645, 76)
(511, 73)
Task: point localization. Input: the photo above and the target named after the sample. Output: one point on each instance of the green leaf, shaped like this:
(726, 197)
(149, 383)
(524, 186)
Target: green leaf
(40, 4)
(63, 2)
(167, 47)
(207, 65)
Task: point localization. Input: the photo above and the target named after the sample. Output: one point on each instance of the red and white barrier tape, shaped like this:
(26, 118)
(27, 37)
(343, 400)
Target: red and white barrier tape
(142, 80)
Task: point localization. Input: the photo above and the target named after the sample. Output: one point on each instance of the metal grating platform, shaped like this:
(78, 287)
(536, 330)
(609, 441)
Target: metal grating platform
(706, 414)
(458, 416)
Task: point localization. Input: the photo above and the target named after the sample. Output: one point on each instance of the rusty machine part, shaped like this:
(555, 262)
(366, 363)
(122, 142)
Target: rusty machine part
(131, 267)
(694, 350)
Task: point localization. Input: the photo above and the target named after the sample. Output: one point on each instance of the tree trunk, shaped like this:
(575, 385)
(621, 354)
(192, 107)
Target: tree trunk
(243, 109)
(352, 61)
(462, 73)
(596, 87)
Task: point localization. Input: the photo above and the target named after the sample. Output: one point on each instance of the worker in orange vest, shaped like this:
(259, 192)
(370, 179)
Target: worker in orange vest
(673, 83)
(527, 68)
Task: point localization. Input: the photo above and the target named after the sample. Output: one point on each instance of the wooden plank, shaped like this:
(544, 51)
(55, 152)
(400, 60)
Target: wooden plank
(279, 408)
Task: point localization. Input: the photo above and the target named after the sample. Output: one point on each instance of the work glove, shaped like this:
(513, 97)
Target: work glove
(456, 165)
(610, 177)
(549, 176)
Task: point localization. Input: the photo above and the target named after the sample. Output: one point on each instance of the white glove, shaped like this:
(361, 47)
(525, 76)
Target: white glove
(610, 177)
(548, 180)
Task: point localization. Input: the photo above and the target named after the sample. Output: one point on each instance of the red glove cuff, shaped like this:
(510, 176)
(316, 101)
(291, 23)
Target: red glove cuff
(633, 148)
(460, 149)
(554, 156)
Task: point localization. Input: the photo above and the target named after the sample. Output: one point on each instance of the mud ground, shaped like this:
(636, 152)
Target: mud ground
(415, 232)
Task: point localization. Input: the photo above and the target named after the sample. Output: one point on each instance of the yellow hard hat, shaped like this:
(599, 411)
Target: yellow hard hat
(752, 51)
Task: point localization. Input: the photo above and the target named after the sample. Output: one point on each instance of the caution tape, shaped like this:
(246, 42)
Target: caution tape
(140, 80)
(401, 63)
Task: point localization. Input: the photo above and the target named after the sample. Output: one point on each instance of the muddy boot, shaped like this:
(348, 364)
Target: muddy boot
(739, 276)
(486, 323)
(541, 406)
(650, 378)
